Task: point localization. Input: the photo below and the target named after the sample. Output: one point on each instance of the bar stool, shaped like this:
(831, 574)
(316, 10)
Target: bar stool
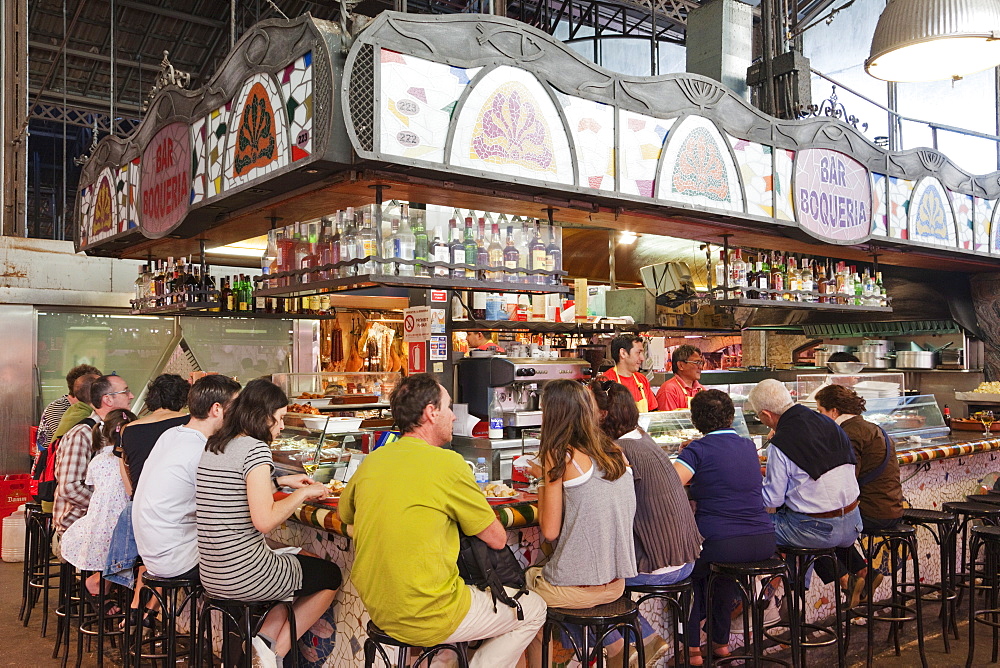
(966, 512)
(378, 639)
(39, 568)
(67, 604)
(799, 560)
(621, 615)
(244, 619)
(744, 575)
(99, 624)
(904, 537)
(988, 538)
(989, 499)
(677, 599)
(943, 528)
(172, 595)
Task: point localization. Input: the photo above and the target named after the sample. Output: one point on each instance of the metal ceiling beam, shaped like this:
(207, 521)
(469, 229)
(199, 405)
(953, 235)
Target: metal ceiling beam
(173, 14)
(55, 61)
(99, 57)
(99, 104)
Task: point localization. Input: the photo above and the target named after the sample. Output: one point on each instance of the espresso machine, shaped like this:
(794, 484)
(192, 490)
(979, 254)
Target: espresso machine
(517, 383)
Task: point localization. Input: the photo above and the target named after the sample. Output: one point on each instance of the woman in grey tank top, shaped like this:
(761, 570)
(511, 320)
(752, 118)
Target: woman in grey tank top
(586, 502)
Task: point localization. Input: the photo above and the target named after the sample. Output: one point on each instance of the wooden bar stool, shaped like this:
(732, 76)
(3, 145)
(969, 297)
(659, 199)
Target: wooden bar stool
(378, 640)
(745, 575)
(943, 527)
(242, 619)
(621, 615)
(986, 538)
(677, 599)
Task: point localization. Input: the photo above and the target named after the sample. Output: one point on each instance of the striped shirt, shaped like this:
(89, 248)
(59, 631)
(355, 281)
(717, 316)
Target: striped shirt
(50, 421)
(234, 560)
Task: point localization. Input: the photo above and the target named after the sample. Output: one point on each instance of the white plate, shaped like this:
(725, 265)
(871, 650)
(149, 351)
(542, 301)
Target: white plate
(497, 498)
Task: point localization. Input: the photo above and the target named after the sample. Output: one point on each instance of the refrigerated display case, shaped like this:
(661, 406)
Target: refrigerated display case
(867, 385)
(338, 390)
(902, 417)
(318, 445)
(671, 428)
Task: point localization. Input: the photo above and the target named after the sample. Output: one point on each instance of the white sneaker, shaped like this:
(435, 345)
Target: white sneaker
(263, 656)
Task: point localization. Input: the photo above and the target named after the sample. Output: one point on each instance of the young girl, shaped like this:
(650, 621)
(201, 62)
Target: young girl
(86, 543)
(586, 502)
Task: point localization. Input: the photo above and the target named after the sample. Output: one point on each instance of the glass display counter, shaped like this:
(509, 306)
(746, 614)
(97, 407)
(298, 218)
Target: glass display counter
(318, 445)
(867, 385)
(671, 428)
(334, 390)
(907, 416)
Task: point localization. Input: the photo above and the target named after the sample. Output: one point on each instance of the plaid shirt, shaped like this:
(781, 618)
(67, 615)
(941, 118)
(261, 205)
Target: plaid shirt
(72, 493)
(50, 421)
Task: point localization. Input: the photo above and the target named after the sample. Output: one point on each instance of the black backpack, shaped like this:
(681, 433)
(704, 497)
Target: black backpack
(485, 568)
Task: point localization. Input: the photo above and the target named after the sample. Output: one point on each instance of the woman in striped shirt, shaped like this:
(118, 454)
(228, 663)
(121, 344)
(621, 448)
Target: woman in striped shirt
(236, 507)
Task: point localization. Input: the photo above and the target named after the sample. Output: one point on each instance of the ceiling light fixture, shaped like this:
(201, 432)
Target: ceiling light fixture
(930, 40)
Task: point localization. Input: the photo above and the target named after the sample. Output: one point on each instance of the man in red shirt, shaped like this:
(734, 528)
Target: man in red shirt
(629, 353)
(687, 362)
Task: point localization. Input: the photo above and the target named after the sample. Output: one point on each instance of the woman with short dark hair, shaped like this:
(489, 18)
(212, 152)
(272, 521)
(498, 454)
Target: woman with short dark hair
(166, 395)
(723, 470)
(236, 507)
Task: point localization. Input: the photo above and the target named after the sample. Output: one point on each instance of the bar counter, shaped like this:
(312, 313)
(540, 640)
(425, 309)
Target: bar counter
(942, 470)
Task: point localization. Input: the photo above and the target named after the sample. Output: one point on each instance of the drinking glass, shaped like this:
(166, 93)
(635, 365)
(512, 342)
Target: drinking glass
(986, 417)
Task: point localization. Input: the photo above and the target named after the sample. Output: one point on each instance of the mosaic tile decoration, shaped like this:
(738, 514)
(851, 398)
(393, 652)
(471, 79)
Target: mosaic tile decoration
(698, 168)
(962, 207)
(104, 207)
(783, 161)
(898, 206)
(592, 125)
(931, 219)
(995, 231)
(754, 162)
(87, 214)
(199, 160)
(419, 102)
(127, 196)
(297, 90)
(509, 125)
(257, 141)
(640, 140)
(216, 131)
(982, 215)
(880, 216)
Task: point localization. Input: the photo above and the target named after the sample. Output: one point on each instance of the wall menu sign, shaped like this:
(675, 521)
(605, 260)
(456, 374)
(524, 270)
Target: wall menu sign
(165, 180)
(833, 197)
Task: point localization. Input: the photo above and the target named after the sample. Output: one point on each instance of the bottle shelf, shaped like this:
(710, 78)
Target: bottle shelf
(540, 327)
(814, 306)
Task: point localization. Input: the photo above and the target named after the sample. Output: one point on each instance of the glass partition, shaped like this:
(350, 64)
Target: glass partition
(244, 348)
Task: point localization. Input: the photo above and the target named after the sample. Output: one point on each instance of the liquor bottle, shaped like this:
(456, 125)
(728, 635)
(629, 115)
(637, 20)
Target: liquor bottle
(439, 252)
(300, 249)
(786, 294)
(367, 243)
(831, 284)
(868, 289)
(511, 258)
(471, 248)
(946, 412)
(242, 298)
(211, 294)
(495, 253)
(270, 256)
(738, 272)
(536, 248)
(348, 243)
(883, 295)
(259, 301)
(794, 278)
(333, 248)
(553, 256)
(310, 239)
(777, 279)
(390, 246)
(721, 278)
(421, 244)
(139, 299)
(456, 247)
(226, 300)
(753, 268)
(808, 281)
(195, 293)
(763, 277)
(496, 422)
(840, 284)
(521, 244)
(820, 286)
(482, 254)
(323, 247)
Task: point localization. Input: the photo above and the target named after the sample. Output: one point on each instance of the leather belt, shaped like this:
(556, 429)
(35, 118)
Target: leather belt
(835, 513)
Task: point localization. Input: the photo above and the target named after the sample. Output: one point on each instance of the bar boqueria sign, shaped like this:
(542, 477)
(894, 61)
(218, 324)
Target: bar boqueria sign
(485, 99)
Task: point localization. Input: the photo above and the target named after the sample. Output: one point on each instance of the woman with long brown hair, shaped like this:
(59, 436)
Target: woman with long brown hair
(586, 502)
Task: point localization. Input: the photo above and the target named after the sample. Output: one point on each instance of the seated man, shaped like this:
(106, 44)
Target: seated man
(406, 537)
(810, 480)
(163, 507)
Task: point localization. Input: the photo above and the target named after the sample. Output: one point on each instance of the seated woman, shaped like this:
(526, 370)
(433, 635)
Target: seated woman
(723, 470)
(666, 536)
(236, 507)
(881, 500)
(586, 502)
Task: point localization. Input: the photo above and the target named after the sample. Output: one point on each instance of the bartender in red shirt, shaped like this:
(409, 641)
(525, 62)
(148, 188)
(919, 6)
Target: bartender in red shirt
(676, 393)
(629, 353)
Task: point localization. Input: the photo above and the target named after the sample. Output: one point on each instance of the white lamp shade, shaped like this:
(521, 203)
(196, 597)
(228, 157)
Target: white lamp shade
(930, 40)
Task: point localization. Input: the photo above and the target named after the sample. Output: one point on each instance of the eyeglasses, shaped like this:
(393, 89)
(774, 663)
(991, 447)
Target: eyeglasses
(125, 391)
(696, 362)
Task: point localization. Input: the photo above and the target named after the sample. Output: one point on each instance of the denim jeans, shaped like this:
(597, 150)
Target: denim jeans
(800, 530)
(123, 554)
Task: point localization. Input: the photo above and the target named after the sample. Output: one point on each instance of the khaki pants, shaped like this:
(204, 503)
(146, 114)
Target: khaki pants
(566, 597)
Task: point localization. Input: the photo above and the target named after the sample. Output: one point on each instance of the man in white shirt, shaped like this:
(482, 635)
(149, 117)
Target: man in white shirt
(163, 506)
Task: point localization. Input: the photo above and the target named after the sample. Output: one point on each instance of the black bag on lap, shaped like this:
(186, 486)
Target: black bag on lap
(485, 568)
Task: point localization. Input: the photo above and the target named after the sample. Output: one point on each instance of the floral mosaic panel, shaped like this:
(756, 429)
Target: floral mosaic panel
(127, 196)
(982, 215)
(880, 216)
(592, 126)
(898, 206)
(257, 140)
(199, 161)
(297, 90)
(931, 219)
(962, 206)
(509, 125)
(104, 208)
(640, 139)
(87, 214)
(783, 161)
(754, 162)
(418, 102)
(216, 131)
(698, 168)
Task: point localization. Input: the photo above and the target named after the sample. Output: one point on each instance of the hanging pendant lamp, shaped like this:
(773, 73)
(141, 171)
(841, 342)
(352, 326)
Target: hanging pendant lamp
(930, 40)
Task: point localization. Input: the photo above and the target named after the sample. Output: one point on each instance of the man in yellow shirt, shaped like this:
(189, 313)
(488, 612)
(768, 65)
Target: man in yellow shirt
(407, 502)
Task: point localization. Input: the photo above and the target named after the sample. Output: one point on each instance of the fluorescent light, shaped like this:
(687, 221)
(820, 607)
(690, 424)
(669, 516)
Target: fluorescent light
(254, 247)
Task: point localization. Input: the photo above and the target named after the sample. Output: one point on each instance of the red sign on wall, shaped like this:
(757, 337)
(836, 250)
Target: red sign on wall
(417, 360)
(165, 181)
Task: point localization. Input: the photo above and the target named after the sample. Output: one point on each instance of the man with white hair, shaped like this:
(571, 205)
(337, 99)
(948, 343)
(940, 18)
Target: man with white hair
(810, 479)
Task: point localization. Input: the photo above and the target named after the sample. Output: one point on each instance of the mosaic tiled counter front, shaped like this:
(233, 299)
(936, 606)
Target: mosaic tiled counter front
(931, 476)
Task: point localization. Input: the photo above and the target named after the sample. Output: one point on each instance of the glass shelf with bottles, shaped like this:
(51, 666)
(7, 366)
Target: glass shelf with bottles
(670, 429)
(770, 279)
(169, 286)
(421, 246)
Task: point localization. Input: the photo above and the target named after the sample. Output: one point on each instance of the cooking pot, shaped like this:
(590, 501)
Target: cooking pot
(823, 352)
(872, 359)
(916, 359)
(881, 347)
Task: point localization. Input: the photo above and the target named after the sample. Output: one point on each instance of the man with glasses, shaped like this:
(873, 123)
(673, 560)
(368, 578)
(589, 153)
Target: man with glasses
(675, 393)
(629, 353)
(72, 497)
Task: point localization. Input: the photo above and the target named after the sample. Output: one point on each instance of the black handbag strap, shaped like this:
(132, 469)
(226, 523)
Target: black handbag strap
(877, 471)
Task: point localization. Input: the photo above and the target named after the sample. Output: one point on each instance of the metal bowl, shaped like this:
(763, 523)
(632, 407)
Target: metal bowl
(845, 367)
